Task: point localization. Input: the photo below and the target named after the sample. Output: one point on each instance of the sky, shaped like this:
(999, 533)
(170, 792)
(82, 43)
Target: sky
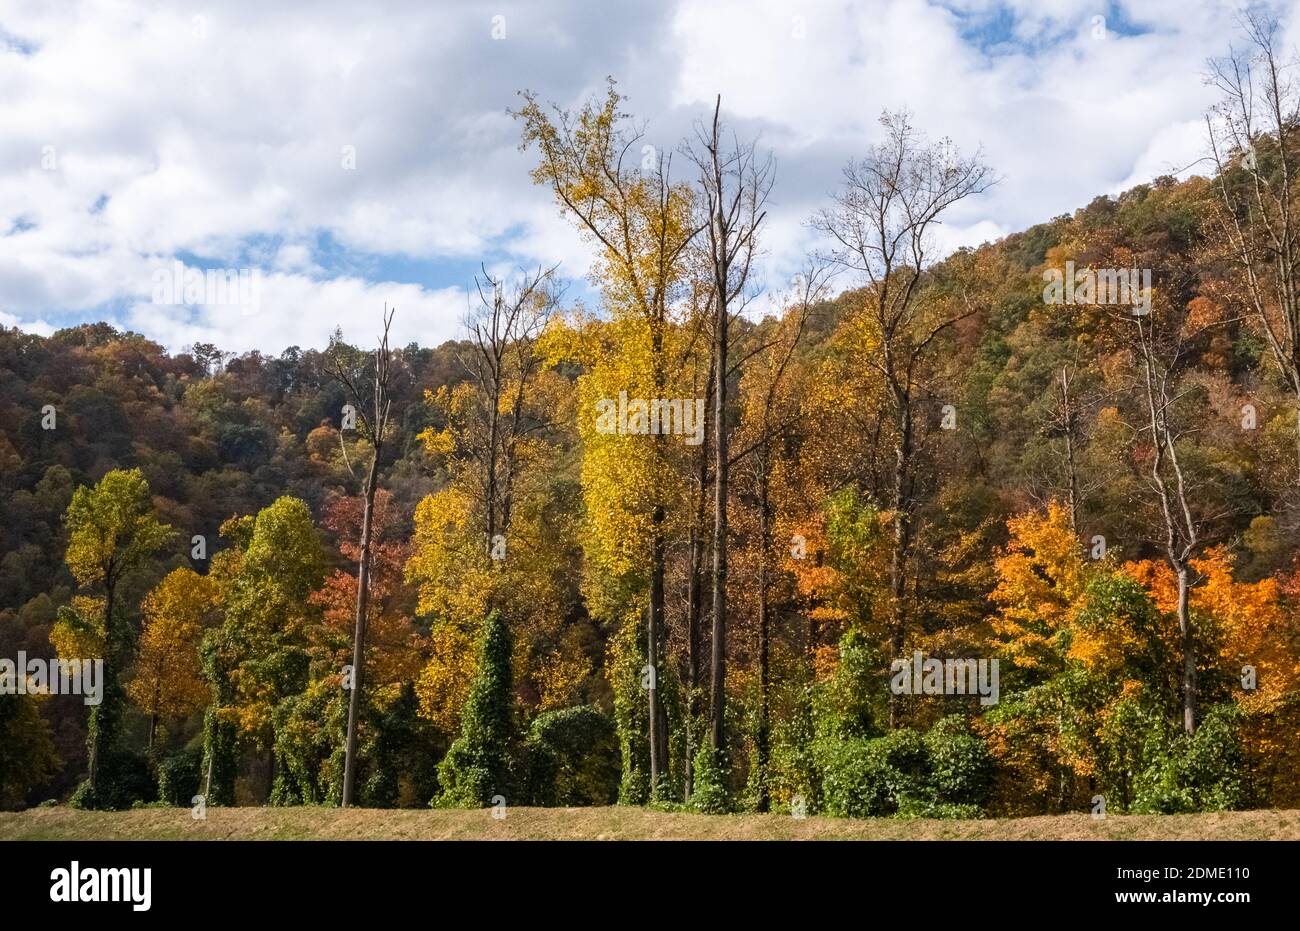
(350, 155)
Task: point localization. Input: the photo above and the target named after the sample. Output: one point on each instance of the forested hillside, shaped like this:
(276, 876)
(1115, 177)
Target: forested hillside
(669, 549)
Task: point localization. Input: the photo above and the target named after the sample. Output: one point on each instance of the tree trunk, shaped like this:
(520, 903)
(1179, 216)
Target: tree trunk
(718, 666)
(359, 637)
(110, 667)
(902, 543)
(694, 612)
(658, 716)
(762, 741)
(1189, 654)
(655, 616)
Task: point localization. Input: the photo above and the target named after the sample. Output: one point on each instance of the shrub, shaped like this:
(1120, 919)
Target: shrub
(946, 773)
(961, 766)
(1203, 772)
(573, 758)
(124, 779)
(844, 705)
(855, 779)
(179, 776)
(709, 793)
(793, 769)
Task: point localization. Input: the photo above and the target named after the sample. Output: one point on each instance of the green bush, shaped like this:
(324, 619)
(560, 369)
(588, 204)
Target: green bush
(477, 766)
(961, 766)
(845, 705)
(124, 779)
(179, 775)
(793, 770)
(309, 746)
(1203, 772)
(573, 758)
(946, 773)
(709, 794)
(399, 754)
(855, 779)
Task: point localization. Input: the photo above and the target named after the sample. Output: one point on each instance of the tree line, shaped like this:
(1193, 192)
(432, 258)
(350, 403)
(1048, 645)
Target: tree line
(402, 576)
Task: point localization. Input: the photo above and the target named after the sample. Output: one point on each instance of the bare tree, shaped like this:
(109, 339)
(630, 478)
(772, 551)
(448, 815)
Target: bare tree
(1182, 532)
(368, 390)
(1187, 508)
(734, 184)
(503, 331)
(880, 227)
(1252, 132)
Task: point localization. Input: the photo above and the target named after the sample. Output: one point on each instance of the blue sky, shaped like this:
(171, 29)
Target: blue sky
(137, 134)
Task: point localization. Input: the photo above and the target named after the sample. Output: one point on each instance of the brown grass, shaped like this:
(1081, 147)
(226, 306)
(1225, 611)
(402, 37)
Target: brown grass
(617, 823)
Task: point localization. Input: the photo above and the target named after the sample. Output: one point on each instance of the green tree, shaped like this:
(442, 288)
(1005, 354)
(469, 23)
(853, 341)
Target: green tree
(478, 764)
(27, 755)
(112, 532)
(258, 657)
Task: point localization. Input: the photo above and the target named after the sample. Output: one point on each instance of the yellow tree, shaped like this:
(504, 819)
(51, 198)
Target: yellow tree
(1042, 576)
(502, 533)
(169, 680)
(620, 194)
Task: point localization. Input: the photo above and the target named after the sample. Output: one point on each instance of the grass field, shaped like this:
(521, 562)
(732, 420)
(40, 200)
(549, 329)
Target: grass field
(617, 823)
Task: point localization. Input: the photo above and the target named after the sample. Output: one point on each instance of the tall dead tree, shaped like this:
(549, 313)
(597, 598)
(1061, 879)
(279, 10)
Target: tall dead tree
(372, 405)
(503, 331)
(734, 183)
(880, 228)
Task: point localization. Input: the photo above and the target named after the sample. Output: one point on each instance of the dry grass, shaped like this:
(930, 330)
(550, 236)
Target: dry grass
(616, 823)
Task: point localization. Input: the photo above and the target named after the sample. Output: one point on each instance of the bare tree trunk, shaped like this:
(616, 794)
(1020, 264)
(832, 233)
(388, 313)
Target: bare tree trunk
(695, 604)
(718, 664)
(762, 738)
(375, 425)
(359, 635)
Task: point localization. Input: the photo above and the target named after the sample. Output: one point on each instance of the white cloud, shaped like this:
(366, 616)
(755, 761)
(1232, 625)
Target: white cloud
(293, 310)
(220, 132)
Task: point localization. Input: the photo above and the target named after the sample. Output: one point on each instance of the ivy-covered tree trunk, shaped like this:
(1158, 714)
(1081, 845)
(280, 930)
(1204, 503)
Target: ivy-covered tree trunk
(102, 727)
